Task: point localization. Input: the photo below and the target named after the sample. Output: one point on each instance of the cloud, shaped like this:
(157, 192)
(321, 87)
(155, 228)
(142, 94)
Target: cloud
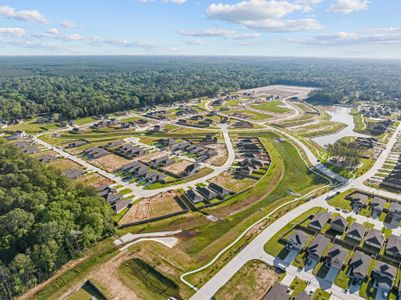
(348, 6)
(52, 31)
(175, 1)
(343, 38)
(195, 42)
(218, 32)
(266, 15)
(13, 31)
(22, 15)
(68, 24)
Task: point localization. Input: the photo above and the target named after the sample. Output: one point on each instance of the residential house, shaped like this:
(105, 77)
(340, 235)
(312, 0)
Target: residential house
(95, 152)
(47, 158)
(297, 240)
(303, 296)
(338, 224)
(206, 193)
(181, 146)
(393, 247)
(358, 200)
(335, 257)
(193, 196)
(120, 205)
(377, 206)
(113, 144)
(242, 124)
(384, 276)
(317, 247)
(359, 267)
(395, 211)
(182, 122)
(356, 231)
(319, 220)
(374, 239)
(161, 161)
(73, 173)
(77, 144)
(277, 292)
(166, 142)
(219, 190)
(191, 170)
(16, 135)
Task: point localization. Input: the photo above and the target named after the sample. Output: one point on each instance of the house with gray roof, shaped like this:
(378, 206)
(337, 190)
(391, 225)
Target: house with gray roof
(356, 231)
(393, 247)
(73, 173)
(375, 239)
(338, 224)
(317, 247)
(120, 205)
(377, 206)
(219, 190)
(161, 161)
(77, 144)
(277, 292)
(358, 200)
(335, 257)
(384, 276)
(319, 220)
(359, 267)
(297, 240)
(303, 296)
(193, 196)
(95, 152)
(395, 211)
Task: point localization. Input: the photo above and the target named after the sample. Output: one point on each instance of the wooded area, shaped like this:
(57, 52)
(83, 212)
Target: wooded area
(45, 220)
(84, 86)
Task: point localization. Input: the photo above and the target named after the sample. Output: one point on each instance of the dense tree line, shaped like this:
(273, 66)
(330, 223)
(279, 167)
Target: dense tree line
(82, 86)
(45, 220)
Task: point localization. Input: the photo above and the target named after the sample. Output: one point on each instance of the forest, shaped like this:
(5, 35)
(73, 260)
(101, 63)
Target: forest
(45, 220)
(83, 86)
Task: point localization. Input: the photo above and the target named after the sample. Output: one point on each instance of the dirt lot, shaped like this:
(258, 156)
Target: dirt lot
(280, 90)
(148, 157)
(178, 167)
(228, 181)
(252, 281)
(159, 205)
(221, 157)
(63, 164)
(110, 162)
(94, 180)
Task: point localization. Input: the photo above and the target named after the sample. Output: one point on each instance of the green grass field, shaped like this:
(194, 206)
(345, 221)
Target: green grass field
(274, 106)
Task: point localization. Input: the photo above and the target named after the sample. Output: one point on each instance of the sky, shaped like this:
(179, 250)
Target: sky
(312, 28)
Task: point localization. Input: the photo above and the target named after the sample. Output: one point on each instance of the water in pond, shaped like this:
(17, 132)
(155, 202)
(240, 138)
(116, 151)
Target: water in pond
(339, 114)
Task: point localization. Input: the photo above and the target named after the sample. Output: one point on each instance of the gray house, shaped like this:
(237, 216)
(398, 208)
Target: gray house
(338, 224)
(297, 241)
(374, 239)
(395, 211)
(193, 196)
(356, 232)
(393, 247)
(316, 248)
(219, 190)
(377, 206)
(384, 275)
(358, 200)
(319, 220)
(359, 267)
(277, 292)
(336, 256)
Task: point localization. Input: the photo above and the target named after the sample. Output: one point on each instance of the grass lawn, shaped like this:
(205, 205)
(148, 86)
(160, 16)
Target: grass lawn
(320, 295)
(250, 282)
(340, 201)
(146, 281)
(274, 106)
(31, 127)
(87, 291)
(342, 279)
(297, 286)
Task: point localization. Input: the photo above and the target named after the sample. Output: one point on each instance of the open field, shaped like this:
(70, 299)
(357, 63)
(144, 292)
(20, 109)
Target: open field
(63, 164)
(94, 180)
(178, 167)
(274, 106)
(221, 157)
(110, 162)
(252, 281)
(156, 206)
(228, 181)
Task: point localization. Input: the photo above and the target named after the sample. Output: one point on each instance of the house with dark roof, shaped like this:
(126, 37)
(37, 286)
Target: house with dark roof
(335, 257)
(181, 146)
(95, 152)
(242, 124)
(317, 247)
(338, 224)
(375, 239)
(277, 292)
(166, 142)
(393, 246)
(356, 231)
(219, 190)
(395, 211)
(206, 193)
(113, 144)
(120, 205)
(73, 173)
(77, 144)
(152, 176)
(319, 220)
(297, 240)
(191, 169)
(384, 276)
(377, 206)
(359, 267)
(358, 200)
(161, 161)
(31, 149)
(16, 135)
(47, 158)
(303, 296)
(193, 196)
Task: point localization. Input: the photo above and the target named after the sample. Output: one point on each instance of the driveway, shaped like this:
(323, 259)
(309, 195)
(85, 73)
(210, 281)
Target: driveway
(290, 257)
(379, 294)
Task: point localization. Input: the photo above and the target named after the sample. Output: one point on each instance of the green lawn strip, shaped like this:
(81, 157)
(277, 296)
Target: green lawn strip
(340, 201)
(297, 286)
(321, 295)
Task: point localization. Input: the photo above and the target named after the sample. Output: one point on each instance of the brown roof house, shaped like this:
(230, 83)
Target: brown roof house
(338, 224)
(374, 239)
(356, 232)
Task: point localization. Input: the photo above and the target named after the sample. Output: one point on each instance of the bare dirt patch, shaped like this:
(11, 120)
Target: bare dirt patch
(63, 164)
(94, 180)
(148, 157)
(251, 282)
(178, 167)
(110, 162)
(228, 181)
(159, 205)
(221, 157)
